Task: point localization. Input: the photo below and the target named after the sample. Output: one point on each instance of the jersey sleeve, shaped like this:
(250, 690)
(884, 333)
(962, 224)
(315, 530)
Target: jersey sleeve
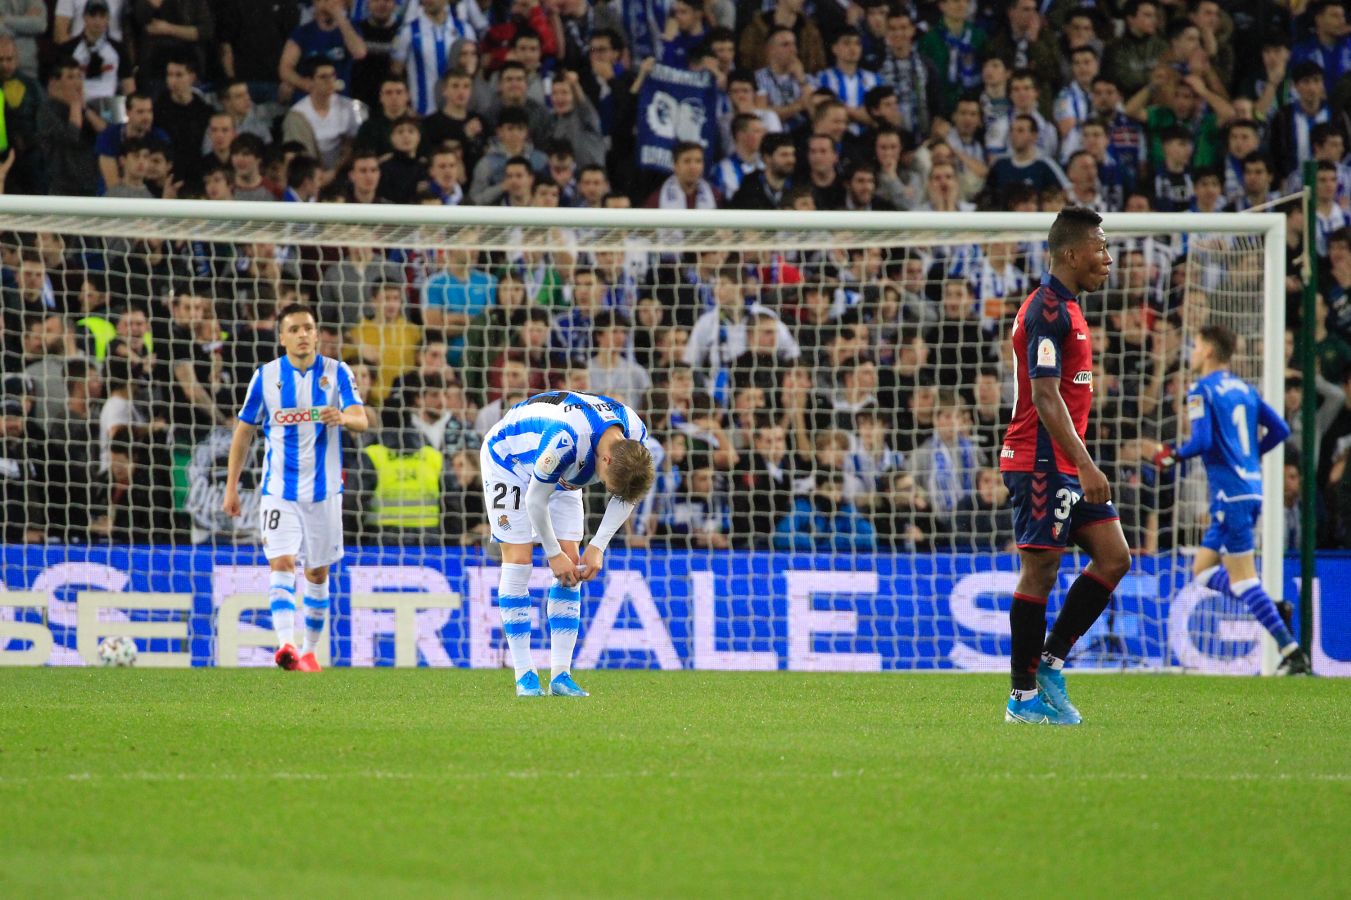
(253, 412)
(347, 387)
(1276, 428)
(1202, 429)
(557, 451)
(1047, 323)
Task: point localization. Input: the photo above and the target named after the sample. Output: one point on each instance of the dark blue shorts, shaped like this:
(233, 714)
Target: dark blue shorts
(1232, 523)
(1049, 507)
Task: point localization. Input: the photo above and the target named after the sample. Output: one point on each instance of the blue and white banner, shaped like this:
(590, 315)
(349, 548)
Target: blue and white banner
(677, 105)
(668, 610)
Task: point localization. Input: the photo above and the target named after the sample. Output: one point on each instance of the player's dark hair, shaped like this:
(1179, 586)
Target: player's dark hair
(1223, 341)
(1072, 226)
(293, 309)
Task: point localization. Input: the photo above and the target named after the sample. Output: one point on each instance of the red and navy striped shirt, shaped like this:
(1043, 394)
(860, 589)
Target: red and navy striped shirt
(1050, 340)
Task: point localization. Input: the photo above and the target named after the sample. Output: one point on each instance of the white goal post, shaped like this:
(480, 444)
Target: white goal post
(387, 226)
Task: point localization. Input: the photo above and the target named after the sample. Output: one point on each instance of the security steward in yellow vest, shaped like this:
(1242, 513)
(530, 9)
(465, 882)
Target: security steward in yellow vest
(408, 484)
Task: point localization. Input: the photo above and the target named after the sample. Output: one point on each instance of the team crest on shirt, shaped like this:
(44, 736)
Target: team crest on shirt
(1056, 529)
(323, 382)
(504, 523)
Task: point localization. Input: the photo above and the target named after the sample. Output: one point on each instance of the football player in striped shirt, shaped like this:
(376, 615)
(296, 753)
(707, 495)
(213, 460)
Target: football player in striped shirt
(535, 462)
(302, 401)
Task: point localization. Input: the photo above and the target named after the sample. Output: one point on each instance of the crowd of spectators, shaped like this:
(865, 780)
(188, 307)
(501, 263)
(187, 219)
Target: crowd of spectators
(834, 399)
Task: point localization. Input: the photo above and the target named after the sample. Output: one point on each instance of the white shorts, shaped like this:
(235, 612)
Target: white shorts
(504, 501)
(310, 531)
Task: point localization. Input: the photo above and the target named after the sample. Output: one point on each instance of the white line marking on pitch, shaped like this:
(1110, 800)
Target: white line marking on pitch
(383, 775)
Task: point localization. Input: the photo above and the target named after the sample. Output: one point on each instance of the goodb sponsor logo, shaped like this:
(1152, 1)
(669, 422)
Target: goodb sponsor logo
(295, 416)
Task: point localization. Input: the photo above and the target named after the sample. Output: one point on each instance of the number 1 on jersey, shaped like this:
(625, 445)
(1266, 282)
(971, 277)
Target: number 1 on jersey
(1240, 418)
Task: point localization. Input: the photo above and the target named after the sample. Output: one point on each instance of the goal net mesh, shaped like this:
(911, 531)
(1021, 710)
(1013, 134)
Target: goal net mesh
(830, 407)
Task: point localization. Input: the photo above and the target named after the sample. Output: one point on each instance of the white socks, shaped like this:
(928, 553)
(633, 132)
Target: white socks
(281, 596)
(513, 599)
(316, 610)
(565, 619)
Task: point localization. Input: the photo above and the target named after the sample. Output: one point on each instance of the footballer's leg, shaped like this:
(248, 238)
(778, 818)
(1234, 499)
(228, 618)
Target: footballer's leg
(513, 599)
(565, 602)
(322, 547)
(511, 529)
(281, 543)
(316, 612)
(1247, 588)
(1099, 532)
(1231, 530)
(1039, 547)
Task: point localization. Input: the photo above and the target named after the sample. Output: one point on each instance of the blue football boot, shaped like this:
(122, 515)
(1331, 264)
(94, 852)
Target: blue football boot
(564, 686)
(528, 686)
(1037, 711)
(1052, 685)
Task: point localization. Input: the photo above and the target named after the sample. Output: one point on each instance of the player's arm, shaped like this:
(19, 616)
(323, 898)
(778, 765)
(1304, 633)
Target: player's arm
(350, 412)
(353, 417)
(1045, 343)
(537, 497)
(1202, 434)
(557, 452)
(1055, 416)
(250, 417)
(1276, 428)
(239, 451)
(617, 512)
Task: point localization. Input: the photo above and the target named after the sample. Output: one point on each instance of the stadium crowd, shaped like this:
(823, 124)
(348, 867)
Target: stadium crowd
(840, 400)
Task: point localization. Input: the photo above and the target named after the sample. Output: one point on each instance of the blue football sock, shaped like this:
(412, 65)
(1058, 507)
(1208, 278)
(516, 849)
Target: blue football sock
(1216, 578)
(1251, 593)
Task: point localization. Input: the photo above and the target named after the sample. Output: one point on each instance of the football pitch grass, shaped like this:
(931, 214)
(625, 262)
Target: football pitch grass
(385, 783)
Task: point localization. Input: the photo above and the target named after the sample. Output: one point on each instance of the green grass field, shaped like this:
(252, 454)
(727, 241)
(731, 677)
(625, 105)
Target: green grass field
(440, 783)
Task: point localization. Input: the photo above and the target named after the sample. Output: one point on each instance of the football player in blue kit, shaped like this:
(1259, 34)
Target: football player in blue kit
(1226, 414)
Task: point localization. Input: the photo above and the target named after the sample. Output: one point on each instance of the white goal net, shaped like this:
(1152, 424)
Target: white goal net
(830, 392)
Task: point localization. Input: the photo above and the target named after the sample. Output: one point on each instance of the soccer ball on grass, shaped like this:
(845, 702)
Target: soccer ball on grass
(117, 651)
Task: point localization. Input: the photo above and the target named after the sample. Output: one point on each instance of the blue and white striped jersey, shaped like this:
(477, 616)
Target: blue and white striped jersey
(424, 49)
(303, 456)
(850, 89)
(553, 436)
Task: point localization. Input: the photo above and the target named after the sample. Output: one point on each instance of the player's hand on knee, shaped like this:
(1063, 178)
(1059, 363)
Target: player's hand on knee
(1165, 457)
(592, 561)
(564, 569)
(1094, 483)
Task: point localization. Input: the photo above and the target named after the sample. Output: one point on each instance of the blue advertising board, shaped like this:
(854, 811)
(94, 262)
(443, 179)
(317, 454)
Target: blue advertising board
(204, 606)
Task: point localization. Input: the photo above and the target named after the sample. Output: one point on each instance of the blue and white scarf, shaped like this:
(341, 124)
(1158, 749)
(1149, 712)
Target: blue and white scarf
(952, 478)
(963, 67)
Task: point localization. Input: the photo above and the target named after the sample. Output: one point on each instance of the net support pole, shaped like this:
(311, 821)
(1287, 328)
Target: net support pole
(1308, 467)
(1273, 390)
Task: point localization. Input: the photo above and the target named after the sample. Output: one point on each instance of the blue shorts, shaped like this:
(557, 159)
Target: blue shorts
(1049, 507)
(1232, 523)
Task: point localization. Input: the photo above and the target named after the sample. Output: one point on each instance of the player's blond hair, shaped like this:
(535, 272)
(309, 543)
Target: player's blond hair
(631, 471)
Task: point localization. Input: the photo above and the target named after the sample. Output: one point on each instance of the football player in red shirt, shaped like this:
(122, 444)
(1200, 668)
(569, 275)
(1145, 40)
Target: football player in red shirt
(1058, 492)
